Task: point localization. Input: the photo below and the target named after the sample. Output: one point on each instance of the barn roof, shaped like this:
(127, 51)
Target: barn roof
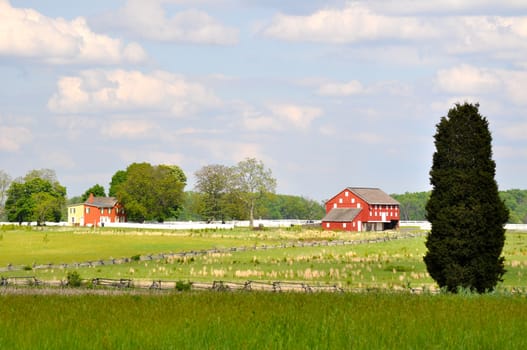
(102, 202)
(373, 195)
(342, 214)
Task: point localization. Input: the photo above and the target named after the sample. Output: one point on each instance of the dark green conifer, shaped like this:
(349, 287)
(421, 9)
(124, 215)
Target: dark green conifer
(465, 210)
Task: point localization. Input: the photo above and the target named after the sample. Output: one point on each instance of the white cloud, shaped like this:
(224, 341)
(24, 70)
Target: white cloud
(515, 86)
(466, 79)
(501, 37)
(148, 19)
(121, 90)
(448, 6)
(280, 117)
(355, 22)
(341, 89)
(13, 138)
(29, 34)
(497, 36)
(131, 129)
(297, 116)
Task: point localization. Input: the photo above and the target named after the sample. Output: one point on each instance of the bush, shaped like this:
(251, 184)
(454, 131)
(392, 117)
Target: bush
(136, 257)
(74, 279)
(182, 286)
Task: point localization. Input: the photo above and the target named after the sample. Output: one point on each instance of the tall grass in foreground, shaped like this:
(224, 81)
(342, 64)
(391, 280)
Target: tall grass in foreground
(263, 321)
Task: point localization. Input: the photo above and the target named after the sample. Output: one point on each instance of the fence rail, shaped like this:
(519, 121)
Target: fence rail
(28, 283)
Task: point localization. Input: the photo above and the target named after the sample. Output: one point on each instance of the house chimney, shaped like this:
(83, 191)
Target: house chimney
(90, 199)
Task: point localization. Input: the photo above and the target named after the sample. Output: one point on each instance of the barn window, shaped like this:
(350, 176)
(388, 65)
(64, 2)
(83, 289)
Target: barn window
(346, 193)
(327, 224)
(340, 200)
(87, 210)
(353, 224)
(353, 200)
(358, 205)
(343, 225)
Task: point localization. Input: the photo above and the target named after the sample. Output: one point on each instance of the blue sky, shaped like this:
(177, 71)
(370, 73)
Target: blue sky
(327, 94)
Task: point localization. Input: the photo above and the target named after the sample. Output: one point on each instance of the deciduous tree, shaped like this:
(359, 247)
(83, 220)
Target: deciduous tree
(465, 210)
(250, 182)
(97, 190)
(38, 196)
(212, 181)
(117, 179)
(150, 192)
(5, 181)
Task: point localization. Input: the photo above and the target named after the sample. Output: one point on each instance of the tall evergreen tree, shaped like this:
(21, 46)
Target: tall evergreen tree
(465, 210)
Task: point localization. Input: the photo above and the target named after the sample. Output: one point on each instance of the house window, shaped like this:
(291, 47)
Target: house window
(340, 200)
(358, 205)
(353, 200)
(109, 211)
(102, 210)
(87, 210)
(346, 193)
(334, 205)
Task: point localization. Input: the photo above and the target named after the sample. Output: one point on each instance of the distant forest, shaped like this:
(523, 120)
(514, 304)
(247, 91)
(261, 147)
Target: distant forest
(413, 205)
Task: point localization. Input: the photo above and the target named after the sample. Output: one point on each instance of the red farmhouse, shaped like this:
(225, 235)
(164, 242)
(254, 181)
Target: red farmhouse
(96, 211)
(361, 209)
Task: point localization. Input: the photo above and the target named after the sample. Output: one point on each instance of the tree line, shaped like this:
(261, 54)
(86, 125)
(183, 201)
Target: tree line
(413, 205)
(38, 196)
(149, 192)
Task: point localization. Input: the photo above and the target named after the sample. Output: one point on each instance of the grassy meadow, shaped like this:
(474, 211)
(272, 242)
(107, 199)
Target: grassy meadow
(395, 264)
(69, 318)
(207, 320)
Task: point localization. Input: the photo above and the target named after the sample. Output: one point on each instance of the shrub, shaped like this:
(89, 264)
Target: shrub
(74, 279)
(136, 257)
(182, 286)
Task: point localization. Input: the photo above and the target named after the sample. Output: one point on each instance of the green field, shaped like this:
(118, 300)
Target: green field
(395, 264)
(382, 316)
(209, 320)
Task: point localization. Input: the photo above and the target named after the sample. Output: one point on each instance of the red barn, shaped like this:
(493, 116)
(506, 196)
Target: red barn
(361, 209)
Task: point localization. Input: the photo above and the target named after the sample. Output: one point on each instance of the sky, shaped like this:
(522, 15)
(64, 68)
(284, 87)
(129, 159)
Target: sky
(327, 94)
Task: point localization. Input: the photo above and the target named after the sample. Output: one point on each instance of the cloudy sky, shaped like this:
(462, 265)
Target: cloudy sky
(327, 94)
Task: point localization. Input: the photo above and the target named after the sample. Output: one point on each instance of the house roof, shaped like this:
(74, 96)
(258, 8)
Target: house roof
(373, 195)
(101, 202)
(342, 214)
